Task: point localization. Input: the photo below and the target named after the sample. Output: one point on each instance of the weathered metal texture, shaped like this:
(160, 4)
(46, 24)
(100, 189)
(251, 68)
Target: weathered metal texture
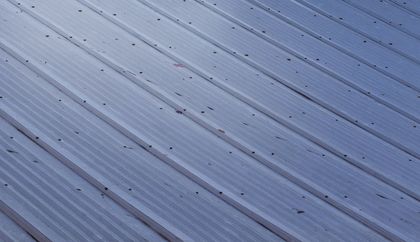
(257, 120)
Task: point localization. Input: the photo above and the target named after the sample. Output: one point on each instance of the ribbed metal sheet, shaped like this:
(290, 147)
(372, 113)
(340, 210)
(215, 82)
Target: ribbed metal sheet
(120, 166)
(10, 231)
(386, 12)
(224, 120)
(63, 206)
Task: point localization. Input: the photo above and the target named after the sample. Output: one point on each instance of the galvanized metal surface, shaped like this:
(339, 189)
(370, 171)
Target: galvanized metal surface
(10, 231)
(256, 120)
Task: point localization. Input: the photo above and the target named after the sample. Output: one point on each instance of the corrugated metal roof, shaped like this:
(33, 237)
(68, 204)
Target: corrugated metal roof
(256, 120)
(10, 231)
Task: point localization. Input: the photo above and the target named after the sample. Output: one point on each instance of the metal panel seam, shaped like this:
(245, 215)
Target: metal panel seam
(287, 84)
(331, 43)
(191, 173)
(371, 13)
(22, 222)
(263, 110)
(282, 171)
(310, 62)
(320, 11)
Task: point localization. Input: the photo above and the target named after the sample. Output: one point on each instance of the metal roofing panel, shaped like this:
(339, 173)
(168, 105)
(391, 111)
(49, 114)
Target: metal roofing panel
(120, 165)
(363, 23)
(40, 189)
(297, 42)
(410, 6)
(384, 11)
(222, 120)
(359, 46)
(313, 123)
(249, 186)
(10, 231)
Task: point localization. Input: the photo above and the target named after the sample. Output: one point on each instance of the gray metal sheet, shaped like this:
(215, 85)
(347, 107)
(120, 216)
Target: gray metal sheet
(10, 231)
(53, 202)
(111, 160)
(252, 120)
(239, 180)
(368, 26)
(359, 46)
(410, 6)
(386, 12)
(320, 54)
